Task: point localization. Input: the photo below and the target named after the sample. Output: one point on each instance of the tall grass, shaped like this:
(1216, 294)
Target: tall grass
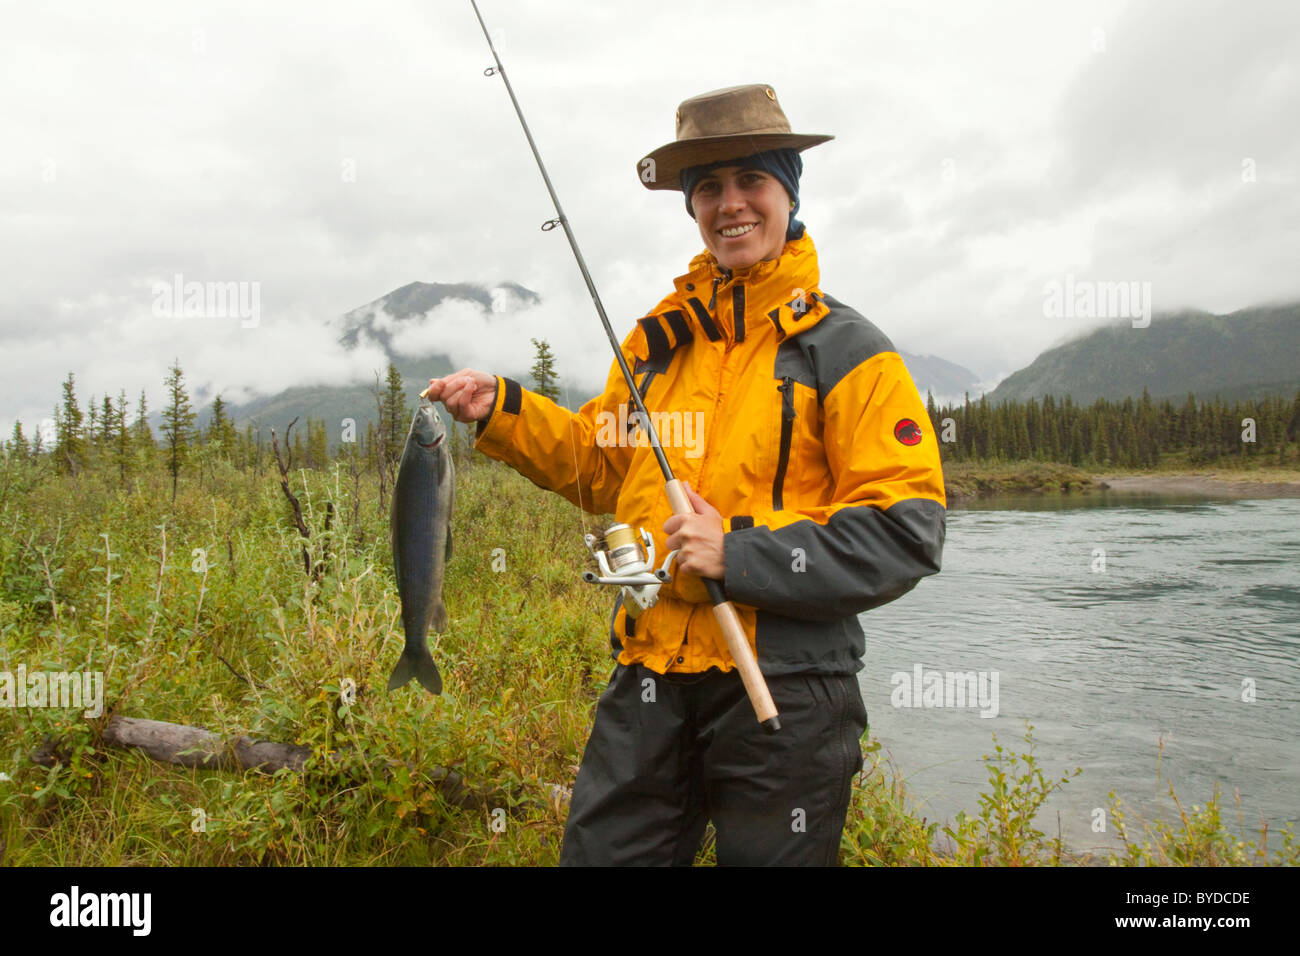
(202, 613)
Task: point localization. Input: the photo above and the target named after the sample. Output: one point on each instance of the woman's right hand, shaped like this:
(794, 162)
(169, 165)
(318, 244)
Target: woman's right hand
(468, 395)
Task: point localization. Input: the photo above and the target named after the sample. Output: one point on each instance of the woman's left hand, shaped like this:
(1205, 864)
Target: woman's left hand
(699, 538)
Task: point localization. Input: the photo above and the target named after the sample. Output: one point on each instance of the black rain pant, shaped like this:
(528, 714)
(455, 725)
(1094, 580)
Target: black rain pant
(670, 752)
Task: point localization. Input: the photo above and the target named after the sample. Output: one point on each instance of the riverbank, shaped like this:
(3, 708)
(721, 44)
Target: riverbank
(1211, 484)
(969, 481)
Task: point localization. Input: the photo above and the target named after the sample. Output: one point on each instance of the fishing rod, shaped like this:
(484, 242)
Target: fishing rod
(723, 610)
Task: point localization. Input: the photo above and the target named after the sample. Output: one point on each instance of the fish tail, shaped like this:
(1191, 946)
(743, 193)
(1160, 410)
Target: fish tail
(419, 666)
(426, 672)
(402, 673)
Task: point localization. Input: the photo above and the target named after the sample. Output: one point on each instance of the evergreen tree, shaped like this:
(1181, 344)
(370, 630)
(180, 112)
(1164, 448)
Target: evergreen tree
(221, 429)
(178, 423)
(932, 410)
(121, 440)
(393, 415)
(18, 443)
(107, 423)
(317, 443)
(1022, 446)
(1129, 454)
(92, 428)
(1100, 442)
(142, 435)
(1077, 442)
(215, 421)
(69, 449)
(543, 371)
(1050, 429)
(370, 443)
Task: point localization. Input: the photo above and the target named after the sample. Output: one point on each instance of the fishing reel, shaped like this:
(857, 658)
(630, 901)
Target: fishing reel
(628, 561)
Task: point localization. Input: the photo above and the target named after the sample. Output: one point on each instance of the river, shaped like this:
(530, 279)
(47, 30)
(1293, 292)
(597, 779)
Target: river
(1111, 623)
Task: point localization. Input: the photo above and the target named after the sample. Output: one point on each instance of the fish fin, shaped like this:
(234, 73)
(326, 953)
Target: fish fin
(419, 666)
(426, 672)
(439, 620)
(402, 673)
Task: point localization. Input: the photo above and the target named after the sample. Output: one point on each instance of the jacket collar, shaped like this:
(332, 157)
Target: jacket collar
(785, 290)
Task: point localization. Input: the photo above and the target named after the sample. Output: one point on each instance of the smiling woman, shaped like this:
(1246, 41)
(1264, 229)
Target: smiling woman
(808, 507)
(743, 215)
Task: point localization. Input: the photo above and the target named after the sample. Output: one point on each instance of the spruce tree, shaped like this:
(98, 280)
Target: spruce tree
(933, 411)
(92, 428)
(221, 429)
(317, 443)
(543, 371)
(70, 448)
(121, 440)
(178, 423)
(142, 435)
(216, 421)
(18, 443)
(394, 413)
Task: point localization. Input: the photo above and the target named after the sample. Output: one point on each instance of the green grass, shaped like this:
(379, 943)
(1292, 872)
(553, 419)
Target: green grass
(95, 577)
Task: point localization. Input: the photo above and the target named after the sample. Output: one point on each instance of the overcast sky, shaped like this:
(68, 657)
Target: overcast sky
(330, 152)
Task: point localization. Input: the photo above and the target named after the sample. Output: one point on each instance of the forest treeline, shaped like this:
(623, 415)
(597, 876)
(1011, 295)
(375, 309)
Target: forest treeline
(1130, 434)
(114, 434)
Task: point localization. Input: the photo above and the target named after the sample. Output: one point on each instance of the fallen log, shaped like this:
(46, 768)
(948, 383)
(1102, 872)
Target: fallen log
(201, 749)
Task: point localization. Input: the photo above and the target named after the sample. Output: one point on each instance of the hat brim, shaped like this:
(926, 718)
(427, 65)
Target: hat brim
(668, 161)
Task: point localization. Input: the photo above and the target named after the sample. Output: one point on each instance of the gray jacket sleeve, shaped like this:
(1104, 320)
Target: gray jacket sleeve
(861, 558)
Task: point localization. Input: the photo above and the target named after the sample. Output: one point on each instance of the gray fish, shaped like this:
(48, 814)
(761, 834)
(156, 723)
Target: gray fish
(421, 530)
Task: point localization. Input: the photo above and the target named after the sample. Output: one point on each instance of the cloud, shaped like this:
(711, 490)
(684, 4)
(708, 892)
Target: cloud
(1184, 90)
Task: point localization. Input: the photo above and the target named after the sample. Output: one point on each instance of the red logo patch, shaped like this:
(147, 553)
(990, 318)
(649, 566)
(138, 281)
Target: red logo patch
(908, 432)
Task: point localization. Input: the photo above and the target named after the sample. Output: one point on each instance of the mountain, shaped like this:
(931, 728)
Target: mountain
(946, 381)
(378, 321)
(381, 321)
(418, 298)
(1239, 356)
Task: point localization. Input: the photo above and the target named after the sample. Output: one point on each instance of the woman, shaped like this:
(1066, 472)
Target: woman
(818, 495)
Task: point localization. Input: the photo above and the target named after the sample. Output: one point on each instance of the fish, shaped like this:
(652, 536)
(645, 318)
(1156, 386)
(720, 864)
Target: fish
(423, 498)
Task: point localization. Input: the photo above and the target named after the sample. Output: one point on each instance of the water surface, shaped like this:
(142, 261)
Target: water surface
(1114, 623)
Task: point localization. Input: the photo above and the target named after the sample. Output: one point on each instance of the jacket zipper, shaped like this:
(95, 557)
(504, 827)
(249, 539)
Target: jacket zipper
(786, 388)
(646, 379)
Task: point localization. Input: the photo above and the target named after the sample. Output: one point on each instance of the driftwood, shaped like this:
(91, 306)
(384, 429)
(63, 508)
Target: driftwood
(203, 750)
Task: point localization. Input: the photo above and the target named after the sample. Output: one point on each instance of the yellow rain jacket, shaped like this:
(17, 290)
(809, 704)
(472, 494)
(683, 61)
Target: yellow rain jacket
(793, 416)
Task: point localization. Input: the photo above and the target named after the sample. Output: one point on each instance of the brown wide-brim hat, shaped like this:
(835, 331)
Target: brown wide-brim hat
(724, 124)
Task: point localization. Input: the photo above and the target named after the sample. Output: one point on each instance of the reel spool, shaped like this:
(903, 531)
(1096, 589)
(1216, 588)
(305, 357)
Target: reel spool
(629, 561)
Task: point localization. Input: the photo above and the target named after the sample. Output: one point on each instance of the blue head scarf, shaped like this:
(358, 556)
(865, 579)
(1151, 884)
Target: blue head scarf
(786, 165)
